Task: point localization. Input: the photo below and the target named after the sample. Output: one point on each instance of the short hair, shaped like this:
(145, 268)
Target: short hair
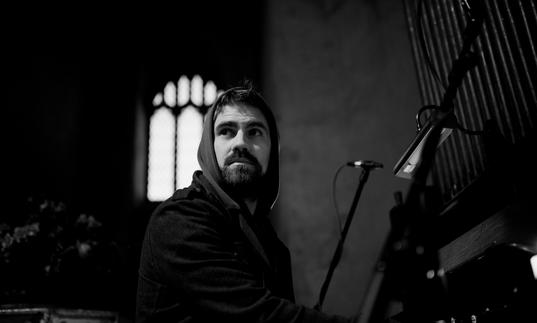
(243, 94)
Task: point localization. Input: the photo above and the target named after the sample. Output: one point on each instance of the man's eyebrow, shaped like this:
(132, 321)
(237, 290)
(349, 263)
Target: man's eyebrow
(226, 124)
(258, 124)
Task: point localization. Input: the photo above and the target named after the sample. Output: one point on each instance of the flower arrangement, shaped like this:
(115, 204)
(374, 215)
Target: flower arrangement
(51, 248)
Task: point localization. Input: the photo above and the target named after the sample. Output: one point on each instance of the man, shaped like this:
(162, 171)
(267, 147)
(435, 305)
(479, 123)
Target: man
(210, 253)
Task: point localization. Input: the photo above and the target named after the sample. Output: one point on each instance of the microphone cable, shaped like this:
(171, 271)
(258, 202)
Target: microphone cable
(354, 164)
(334, 198)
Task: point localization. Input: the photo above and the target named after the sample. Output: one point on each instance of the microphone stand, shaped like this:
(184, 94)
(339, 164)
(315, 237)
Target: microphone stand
(364, 175)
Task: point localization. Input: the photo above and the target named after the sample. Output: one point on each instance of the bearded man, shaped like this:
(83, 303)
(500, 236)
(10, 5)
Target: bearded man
(210, 253)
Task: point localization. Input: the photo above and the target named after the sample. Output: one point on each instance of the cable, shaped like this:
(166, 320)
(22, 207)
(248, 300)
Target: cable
(455, 124)
(420, 112)
(334, 200)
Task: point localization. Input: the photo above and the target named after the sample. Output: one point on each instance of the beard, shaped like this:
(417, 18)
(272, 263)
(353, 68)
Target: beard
(243, 180)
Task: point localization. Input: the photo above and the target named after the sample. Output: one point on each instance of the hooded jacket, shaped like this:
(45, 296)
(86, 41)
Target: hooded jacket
(205, 258)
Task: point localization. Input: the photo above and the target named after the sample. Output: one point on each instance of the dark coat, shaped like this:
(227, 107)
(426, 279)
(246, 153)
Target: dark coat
(202, 262)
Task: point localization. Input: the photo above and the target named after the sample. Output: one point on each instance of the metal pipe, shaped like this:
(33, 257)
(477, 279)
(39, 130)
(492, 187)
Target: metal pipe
(449, 151)
(504, 119)
(529, 90)
(484, 100)
(511, 102)
(511, 72)
(465, 105)
(468, 94)
(415, 50)
(459, 158)
(446, 165)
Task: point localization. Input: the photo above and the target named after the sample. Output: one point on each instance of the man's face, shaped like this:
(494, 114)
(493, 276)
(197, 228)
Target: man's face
(242, 145)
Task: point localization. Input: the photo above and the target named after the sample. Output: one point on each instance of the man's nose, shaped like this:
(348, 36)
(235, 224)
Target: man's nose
(240, 140)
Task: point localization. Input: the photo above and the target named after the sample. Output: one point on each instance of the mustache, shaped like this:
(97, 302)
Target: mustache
(241, 156)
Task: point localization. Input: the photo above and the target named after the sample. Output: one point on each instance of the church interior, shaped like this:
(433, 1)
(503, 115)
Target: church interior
(346, 80)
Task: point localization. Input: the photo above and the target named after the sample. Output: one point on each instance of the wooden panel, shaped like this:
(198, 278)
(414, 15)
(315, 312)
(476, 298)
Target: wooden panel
(515, 223)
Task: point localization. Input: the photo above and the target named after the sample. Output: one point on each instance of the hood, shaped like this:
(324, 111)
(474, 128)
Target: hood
(209, 165)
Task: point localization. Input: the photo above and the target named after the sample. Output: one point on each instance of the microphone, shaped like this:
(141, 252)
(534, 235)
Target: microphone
(369, 164)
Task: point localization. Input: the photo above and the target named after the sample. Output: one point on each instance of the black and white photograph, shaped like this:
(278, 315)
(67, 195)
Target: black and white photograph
(283, 161)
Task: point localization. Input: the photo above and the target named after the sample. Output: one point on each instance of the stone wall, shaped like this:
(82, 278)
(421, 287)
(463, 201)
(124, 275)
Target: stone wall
(341, 78)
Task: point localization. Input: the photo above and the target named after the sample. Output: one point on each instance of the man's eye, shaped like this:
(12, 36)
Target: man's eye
(224, 132)
(255, 132)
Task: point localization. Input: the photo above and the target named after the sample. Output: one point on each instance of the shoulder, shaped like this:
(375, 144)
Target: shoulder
(187, 221)
(190, 214)
(194, 199)
(187, 207)
(180, 227)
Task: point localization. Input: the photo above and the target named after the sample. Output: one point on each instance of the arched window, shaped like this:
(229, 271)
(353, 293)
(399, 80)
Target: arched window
(175, 128)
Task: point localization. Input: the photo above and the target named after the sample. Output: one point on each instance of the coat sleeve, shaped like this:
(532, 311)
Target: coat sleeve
(190, 251)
